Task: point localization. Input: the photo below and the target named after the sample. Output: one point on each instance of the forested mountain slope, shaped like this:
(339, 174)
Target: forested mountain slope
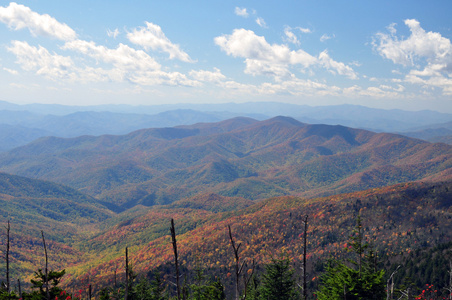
(237, 157)
(396, 220)
(33, 206)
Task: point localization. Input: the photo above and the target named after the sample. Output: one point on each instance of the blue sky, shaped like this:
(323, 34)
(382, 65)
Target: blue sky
(386, 54)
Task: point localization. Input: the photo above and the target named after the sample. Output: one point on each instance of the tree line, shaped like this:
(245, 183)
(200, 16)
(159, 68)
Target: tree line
(358, 277)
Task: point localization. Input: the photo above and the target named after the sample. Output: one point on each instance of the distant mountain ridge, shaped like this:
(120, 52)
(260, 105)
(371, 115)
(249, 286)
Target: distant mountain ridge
(38, 120)
(239, 157)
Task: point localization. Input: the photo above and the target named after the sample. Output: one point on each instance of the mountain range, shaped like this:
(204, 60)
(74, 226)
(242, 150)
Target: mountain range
(21, 124)
(239, 157)
(95, 180)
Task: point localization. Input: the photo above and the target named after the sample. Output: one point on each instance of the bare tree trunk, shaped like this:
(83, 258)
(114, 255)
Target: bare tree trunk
(390, 286)
(46, 279)
(450, 280)
(7, 259)
(305, 289)
(126, 294)
(20, 290)
(238, 267)
(89, 292)
(246, 280)
(176, 262)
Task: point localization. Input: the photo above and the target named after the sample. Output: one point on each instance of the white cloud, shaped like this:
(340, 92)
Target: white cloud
(127, 65)
(290, 36)
(326, 37)
(208, 76)
(10, 71)
(113, 33)
(382, 92)
(152, 37)
(241, 12)
(420, 44)
(260, 21)
(300, 87)
(123, 57)
(262, 58)
(428, 53)
(336, 67)
(41, 60)
(18, 17)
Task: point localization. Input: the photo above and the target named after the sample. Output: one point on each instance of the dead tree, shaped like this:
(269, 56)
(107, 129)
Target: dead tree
(20, 290)
(238, 266)
(246, 280)
(46, 278)
(176, 262)
(116, 270)
(126, 293)
(7, 259)
(390, 285)
(406, 293)
(305, 289)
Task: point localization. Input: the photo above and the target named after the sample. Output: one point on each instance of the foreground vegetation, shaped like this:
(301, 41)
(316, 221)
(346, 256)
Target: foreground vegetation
(359, 274)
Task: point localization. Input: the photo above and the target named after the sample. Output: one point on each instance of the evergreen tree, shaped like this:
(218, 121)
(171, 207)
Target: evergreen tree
(277, 281)
(157, 287)
(362, 280)
(38, 284)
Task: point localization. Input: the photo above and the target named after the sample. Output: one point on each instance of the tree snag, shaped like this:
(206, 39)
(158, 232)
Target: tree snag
(127, 275)
(176, 262)
(305, 289)
(46, 279)
(7, 259)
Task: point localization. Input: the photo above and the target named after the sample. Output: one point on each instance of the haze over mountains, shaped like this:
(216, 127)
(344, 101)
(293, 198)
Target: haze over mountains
(21, 124)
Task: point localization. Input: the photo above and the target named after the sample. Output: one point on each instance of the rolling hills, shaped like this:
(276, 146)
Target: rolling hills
(95, 195)
(239, 157)
(64, 214)
(397, 220)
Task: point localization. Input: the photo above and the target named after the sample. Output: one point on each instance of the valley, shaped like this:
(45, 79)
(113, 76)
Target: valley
(93, 196)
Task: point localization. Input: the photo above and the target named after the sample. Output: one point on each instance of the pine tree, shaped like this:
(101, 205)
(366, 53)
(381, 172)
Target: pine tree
(362, 280)
(277, 281)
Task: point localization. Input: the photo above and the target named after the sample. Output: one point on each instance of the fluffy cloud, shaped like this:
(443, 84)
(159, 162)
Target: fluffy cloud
(152, 37)
(336, 67)
(130, 64)
(262, 58)
(420, 44)
(41, 60)
(127, 65)
(123, 56)
(241, 12)
(428, 53)
(18, 17)
(208, 76)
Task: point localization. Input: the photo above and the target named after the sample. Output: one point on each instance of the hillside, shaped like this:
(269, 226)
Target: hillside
(62, 213)
(397, 219)
(239, 157)
(89, 241)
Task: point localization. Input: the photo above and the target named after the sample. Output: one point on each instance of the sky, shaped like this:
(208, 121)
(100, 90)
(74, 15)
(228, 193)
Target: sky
(383, 54)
